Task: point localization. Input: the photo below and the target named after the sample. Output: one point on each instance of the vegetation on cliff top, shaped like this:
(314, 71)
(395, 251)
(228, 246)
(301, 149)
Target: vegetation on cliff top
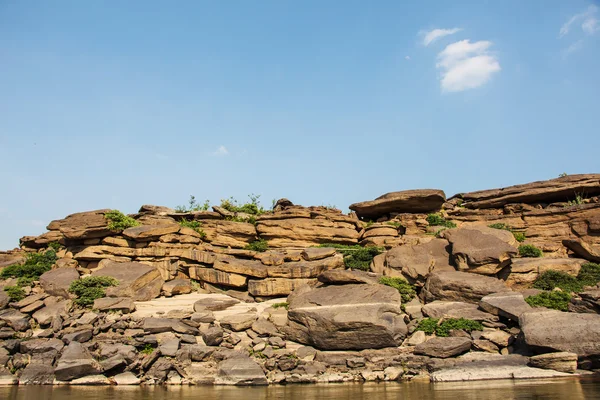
(90, 288)
(193, 206)
(356, 256)
(195, 225)
(118, 221)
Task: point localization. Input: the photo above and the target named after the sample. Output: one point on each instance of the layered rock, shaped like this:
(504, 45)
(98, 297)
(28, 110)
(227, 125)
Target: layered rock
(407, 201)
(460, 286)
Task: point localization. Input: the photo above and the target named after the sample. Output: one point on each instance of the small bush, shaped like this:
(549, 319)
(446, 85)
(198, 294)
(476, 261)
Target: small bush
(551, 279)
(281, 305)
(90, 288)
(395, 224)
(15, 293)
(260, 245)
(519, 236)
(438, 220)
(25, 281)
(148, 349)
(356, 257)
(118, 221)
(555, 299)
(54, 246)
(35, 265)
(253, 207)
(195, 225)
(407, 291)
(432, 325)
(193, 206)
(500, 226)
(589, 274)
(529, 250)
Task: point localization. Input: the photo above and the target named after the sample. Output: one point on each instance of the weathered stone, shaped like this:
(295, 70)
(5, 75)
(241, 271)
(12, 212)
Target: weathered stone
(137, 281)
(306, 269)
(264, 327)
(306, 232)
(148, 232)
(252, 268)
(506, 304)
(480, 249)
(84, 225)
(417, 338)
(523, 271)
(276, 286)
(15, 319)
(218, 277)
(177, 286)
(346, 276)
(562, 331)
(113, 363)
(455, 309)
(561, 361)
(586, 302)
(443, 347)
(460, 286)
(214, 304)
(485, 345)
(560, 189)
(57, 281)
(76, 362)
(79, 336)
(126, 378)
(37, 374)
(4, 299)
(240, 371)
(498, 337)
(41, 346)
(238, 322)
(584, 250)
(346, 317)
(212, 336)
(407, 201)
(317, 253)
(229, 233)
(91, 380)
(123, 304)
(416, 262)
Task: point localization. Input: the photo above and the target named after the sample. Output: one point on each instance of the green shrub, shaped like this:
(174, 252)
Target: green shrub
(356, 256)
(500, 225)
(195, 225)
(148, 349)
(15, 293)
(260, 245)
(25, 281)
(284, 304)
(35, 265)
(432, 325)
(529, 250)
(193, 206)
(253, 207)
(551, 279)
(395, 224)
(555, 299)
(90, 288)
(118, 221)
(589, 274)
(438, 220)
(519, 236)
(407, 291)
(54, 246)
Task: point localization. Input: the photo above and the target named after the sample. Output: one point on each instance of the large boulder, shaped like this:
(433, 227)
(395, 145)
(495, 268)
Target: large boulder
(407, 201)
(241, 371)
(586, 302)
(550, 330)
(444, 347)
(583, 249)
(56, 282)
(456, 309)
(523, 271)
(480, 249)
(76, 362)
(346, 317)
(505, 304)
(416, 262)
(83, 225)
(554, 190)
(138, 281)
(306, 232)
(460, 286)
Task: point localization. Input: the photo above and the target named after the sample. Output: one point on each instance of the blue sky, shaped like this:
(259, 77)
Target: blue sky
(107, 104)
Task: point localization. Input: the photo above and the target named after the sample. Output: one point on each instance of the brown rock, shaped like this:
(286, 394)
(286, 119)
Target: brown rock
(306, 232)
(317, 253)
(416, 262)
(460, 286)
(217, 277)
(507, 304)
(138, 281)
(84, 225)
(177, 286)
(443, 347)
(252, 268)
(408, 201)
(346, 276)
(123, 304)
(148, 232)
(306, 269)
(56, 282)
(524, 271)
(561, 361)
(276, 286)
(584, 250)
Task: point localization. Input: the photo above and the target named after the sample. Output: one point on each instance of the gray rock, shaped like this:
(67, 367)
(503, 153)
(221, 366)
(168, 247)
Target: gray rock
(508, 305)
(15, 319)
(112, 363)
(4, 299)
(79, 336)
(203, 317)
(212, 336)
(586, 302)
(443, 347)
(56, 282)
(45, 315)
(37, 374)
(456, 309)
(41, 346)
(158, 325)
(169, 347)
(240, 371)
(264, 327)
(76, 362)
(238, 322)
(346, 317)
(126, 378)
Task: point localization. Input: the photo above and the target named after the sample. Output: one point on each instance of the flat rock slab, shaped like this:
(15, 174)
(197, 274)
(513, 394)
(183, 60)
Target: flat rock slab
(562, 331)
(57, 281)
(560, 361)
(456, 309)
(240, 371)
(123, 304)
(508, 305)
(553, 190)
(461, 286)
(136, 280)
(76, 362)
(84, 225)
(346, 276)
(478, 373)
(585, 250)
(443, 347)
(147, 232)
(407, 201)
(346, 317)
(238, 322)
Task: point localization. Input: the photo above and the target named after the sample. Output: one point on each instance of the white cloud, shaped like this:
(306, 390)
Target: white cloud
(589, 22)
(432, 36)
(221, 151)
(466, 65)
(573, 48)
(407, 58)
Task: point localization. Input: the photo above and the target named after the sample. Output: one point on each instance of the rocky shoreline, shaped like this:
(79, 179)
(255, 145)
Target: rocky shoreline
(410, 286)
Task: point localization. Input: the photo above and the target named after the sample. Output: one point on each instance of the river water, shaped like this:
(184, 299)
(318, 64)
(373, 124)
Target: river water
(572, 389)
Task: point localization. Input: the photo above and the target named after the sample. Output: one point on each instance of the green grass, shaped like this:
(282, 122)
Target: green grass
(589, 274)
(432, 325)
(529, 250)
(90, 288)
(551, 279)
(406, 290)
(195, 225)
(15, 293)
(193, 206)
(118, 221)
(556, 300)
(284, 304)
(148, 349)
(519, 236)
(438, 220)
(35, 265)
(356, 256)
(54, 246)
(395, 224)
(259, 245)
